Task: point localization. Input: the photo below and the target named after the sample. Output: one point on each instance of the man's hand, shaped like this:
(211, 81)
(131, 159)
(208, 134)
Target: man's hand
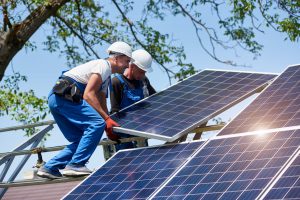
(109, 129)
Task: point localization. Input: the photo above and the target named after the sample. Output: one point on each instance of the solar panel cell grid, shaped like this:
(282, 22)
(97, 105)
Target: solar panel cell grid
(276, 107)
(288, 185)
(134, 174)
(170, 113)
(232, 168)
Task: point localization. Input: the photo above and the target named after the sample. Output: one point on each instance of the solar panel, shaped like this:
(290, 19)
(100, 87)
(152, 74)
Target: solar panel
(288, 185)
(236, 167)
(276, 107)
(134, 173)
(175, 111)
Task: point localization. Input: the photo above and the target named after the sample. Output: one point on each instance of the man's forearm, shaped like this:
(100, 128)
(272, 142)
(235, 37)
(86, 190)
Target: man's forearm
(96, 104)
(102, 99)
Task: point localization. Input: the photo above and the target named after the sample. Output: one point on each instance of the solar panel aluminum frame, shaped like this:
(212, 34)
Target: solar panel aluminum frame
(280, 174)
(148, 147)
(261, 131)
(273, 80)
(272, 181)
(197, 124)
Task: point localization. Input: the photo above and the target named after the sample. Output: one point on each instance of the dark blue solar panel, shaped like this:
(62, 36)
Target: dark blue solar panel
(232, 168)
(276, 107)
(135, 173)
(288, 185)
(173, 112)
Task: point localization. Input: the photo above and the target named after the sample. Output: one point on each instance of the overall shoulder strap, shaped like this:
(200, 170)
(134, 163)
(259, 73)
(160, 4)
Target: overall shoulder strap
(119, 76)
(123, 83)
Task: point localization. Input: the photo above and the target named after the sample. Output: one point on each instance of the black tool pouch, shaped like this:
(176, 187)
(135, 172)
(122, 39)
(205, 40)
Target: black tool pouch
(62, 87)
(67, 90)
(75, 93)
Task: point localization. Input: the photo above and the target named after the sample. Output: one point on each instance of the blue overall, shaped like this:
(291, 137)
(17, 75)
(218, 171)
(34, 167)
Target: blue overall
(129, 97)
(80, 124)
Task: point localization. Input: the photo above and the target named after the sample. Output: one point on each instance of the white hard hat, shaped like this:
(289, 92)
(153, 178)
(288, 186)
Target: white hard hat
(142, 59)
(121, 48)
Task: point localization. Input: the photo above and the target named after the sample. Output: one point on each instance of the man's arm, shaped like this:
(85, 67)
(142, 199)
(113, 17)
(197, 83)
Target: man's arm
(116, 95)
(98, 102)
(150, 88)
(91, 95)
(102, 95)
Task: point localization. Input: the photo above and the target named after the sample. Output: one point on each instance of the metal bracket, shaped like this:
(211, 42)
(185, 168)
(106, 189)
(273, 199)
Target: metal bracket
(109, 146)
(9, 157)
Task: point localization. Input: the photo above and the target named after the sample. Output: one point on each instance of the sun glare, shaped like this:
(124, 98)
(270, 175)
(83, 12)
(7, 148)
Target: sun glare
(261, 131)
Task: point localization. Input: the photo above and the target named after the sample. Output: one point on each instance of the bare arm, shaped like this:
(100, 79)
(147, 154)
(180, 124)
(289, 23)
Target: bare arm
(116, 95)
(150, 87)
(102, 95)
(92, 96)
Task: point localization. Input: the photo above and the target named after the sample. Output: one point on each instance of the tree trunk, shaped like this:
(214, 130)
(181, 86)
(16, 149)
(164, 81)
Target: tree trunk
(13, 40)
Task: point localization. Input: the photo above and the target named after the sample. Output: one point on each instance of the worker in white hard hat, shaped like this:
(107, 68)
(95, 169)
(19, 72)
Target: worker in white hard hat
(131, 86)
(78, 105)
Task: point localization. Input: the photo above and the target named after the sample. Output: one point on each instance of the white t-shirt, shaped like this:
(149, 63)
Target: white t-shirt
(82, 73)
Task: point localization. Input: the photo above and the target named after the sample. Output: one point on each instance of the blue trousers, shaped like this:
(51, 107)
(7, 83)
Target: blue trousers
(81, 125)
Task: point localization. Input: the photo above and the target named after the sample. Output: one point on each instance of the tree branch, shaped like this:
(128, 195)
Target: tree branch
(79, 24)
(207, 51)
(264, 15)
(211, 38)
(78, 35)
(6, 22)
(15, 38)
(130, 24)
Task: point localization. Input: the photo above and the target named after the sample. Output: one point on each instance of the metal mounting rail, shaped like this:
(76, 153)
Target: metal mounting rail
(7, 159)
(13, 128)
(57, 148)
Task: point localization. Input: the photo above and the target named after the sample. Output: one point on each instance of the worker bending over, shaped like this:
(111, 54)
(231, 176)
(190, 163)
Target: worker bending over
(78, 105)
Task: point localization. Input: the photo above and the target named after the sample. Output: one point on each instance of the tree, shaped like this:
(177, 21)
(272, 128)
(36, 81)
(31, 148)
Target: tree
(79, 27)
(15, 33)
(21, 106)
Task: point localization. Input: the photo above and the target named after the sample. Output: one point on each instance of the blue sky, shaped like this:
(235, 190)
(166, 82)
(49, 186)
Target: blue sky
(43, 68)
